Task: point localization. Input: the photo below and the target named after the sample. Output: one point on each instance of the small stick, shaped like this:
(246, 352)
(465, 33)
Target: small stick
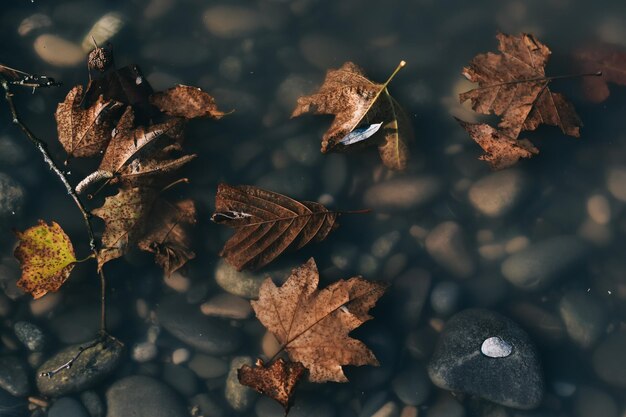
(68, 364)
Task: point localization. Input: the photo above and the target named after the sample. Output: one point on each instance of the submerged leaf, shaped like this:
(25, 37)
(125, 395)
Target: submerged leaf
(267, 223)
(501, 150)
(277, 381)
(313, 325)
(84, 132)
(352, 98)
(607, 58)
(167, 236)
(513, 85)
(187, 102)
(47, 257)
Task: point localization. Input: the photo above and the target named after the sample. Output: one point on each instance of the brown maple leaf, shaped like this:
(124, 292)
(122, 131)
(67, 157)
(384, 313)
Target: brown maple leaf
(125, 216)
(85, 132)
(501, 151)
(609, 60)
(353, 99)
(267, 223)
(277, 381)
(312, 325)
(513, 85)
(128, 141)
(166, 235)
(187, 102)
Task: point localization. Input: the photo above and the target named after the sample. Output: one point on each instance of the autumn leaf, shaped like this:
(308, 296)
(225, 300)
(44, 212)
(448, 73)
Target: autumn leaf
(277, 381)
(610, 60)
(513, 85)
(125, 216)
(47, 257)
(187, 102)
(84, 132)
(354, 100)
(501, 151)
(312, 325)
(267, 223)
(167, 235)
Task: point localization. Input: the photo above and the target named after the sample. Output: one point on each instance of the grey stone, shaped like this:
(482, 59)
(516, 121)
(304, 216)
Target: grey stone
(609, 360)
(207, 405)
(498, 193)
(240, 397)
(412, 385)
(242, 283)
(11, 152)
(180, 378)
(446, 244)
(543, 262)
(14, 376)
(67, 407)
(227, 306)
(144, 352)
(91, 367)
(93, 403)
(446, 406)
(401, 194)
(584, 317)
(142, 396)
(458, 365)
(225, 21)
(30, 335)
(207, 334)
(445, 298)
(12, 197)
(208, 367)
(540, 322)
(591, 402)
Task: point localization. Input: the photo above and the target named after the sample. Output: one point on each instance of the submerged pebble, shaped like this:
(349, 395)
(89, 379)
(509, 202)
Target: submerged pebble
(58, 51)
(142, 396)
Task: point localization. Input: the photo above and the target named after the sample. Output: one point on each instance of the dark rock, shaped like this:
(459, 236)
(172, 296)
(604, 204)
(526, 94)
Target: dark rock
(207, 334)
(142, 396)
(12, 196)
(14, 376)
(412, 385)
(584, 317)
(67, 407)
(445, 298)
(91, 367)
(609, 360)
(93, 403)
(459, 365)
(446, 244)
(11, 406)
(180, 378)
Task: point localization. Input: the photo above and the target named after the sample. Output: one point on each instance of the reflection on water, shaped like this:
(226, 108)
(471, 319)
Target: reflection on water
(537, 247)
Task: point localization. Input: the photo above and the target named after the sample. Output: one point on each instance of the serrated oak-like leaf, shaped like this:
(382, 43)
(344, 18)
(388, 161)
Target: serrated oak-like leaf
(513, 85)
(187, 102)
(501, 151)
(84, 131)
(124, 215)
(267, 223)
(312, 325)
(277, 381)
(128, 141)
(353, 99)
(167, 236)
(607, 58)
(46, 256)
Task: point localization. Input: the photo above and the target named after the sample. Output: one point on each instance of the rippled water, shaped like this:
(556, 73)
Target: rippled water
(541, 243)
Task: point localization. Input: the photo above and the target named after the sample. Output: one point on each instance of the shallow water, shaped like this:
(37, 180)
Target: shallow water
(559, 216)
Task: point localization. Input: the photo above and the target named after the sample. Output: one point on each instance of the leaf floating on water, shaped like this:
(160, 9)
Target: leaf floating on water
(607, 58)
(313, 325)
(501, 151)
(267, 223)
(47, 258)
(187, 102)
(358, 135)
(352, 98)
(277, 381)
(494, 347)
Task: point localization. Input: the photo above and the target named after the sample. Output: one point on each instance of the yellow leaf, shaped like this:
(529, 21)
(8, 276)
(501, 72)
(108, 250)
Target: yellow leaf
(47, 258)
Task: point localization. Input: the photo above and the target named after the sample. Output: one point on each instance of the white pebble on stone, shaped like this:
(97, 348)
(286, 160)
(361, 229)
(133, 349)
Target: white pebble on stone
(494, 347)
(180, 355)
(144, 352)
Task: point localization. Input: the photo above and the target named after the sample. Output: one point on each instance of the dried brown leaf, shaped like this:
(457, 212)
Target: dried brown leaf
(513, 85)
(607, 58)
(124, 215)
(167, 235)
(501, 150)
(267, 223)
(353, 99)
(312, 325)
(277, 381)
(85, 132)
(187, 102)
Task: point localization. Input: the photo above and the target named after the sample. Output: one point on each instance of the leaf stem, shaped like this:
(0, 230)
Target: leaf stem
(537, 79)
(297, 216)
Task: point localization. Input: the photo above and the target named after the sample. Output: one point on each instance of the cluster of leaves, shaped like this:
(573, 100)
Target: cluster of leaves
(137, 135)
(512, 84)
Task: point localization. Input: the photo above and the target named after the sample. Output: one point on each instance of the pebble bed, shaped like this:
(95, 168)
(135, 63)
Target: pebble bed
(508, 289)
